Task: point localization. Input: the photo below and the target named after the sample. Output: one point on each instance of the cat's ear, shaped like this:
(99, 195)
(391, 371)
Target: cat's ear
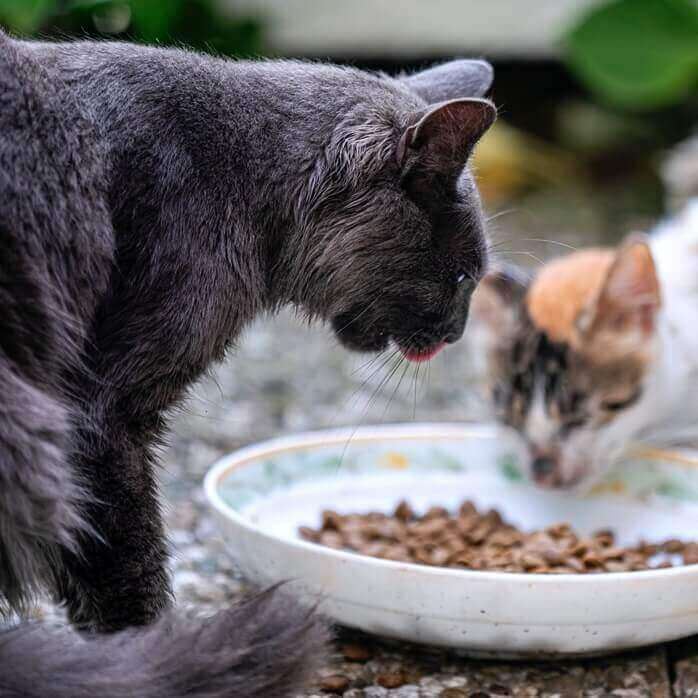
(442, 138)
(459, 78)
(495, 303)
(624, 309)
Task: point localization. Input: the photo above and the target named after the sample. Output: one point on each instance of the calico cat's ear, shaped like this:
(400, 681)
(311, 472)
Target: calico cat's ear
(442, 138)
(459, 78)
(626, 305)
(496, 300)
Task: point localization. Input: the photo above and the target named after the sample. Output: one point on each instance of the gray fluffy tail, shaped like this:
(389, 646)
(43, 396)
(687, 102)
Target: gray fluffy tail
(265, 647)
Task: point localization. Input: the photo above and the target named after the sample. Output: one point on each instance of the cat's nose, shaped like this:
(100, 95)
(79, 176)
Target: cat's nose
(542, 467)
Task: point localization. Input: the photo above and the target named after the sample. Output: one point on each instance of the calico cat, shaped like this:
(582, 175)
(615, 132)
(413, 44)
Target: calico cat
(152, 203)
(597, 352)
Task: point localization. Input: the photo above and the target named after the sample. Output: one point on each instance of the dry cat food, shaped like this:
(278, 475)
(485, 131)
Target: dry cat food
(476, 540)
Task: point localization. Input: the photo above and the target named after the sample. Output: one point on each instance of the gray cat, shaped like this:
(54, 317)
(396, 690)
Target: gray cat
(152, 203)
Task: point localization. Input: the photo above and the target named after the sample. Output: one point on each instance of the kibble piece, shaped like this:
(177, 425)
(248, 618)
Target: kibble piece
(560, 530)
(672, 545)
(530, 561)
(552, 556)
(462, 559)
(493, 517)
(439, 557)
(611, 554)
(331, 520)
(614, 566)
(605, 537)
(581, 548)
(506, 537)
(592, 560)
(648, 549)
(430, 528)
(310, 534)
(467, 508)
(575, 564)
(356, 653)
(690, 554)
(453, 543)
(436, 513)
(375, 549)
(332, 539)
(392, 679)
(478, 534)
(403, 511)
(335, 683)
(354, 540)
(397, 553)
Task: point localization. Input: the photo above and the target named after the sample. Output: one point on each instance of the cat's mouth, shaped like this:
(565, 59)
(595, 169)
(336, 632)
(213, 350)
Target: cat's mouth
(424, 354)
(357, 333)
(551, 475)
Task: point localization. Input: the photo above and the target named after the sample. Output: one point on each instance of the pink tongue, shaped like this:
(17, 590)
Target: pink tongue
(423, 354)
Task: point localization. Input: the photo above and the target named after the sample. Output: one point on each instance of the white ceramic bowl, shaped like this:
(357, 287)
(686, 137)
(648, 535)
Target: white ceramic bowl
(263, 493)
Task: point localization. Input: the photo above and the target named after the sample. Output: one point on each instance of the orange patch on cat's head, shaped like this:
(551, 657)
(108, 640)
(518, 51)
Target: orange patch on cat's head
(601, 303)
(564, 288)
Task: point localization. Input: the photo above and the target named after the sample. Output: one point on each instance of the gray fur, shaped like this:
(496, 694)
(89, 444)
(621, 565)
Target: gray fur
(464, 77)
(264, 647)
(152, 203)
(55, 252)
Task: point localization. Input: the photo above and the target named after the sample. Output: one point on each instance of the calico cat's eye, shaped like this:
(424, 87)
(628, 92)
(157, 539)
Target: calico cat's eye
(616, 405)
(572, 423)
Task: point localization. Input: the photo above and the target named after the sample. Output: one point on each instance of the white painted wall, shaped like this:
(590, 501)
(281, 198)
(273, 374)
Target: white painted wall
(413, 28)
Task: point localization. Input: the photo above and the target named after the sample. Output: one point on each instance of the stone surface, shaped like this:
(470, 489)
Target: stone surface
(440, 674)
(683, 659)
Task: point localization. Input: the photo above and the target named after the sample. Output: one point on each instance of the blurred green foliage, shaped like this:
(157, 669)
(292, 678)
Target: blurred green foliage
(637, 54)
(198, 24)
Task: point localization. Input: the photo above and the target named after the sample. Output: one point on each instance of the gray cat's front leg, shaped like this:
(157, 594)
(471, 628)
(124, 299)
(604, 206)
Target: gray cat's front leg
(120, 580)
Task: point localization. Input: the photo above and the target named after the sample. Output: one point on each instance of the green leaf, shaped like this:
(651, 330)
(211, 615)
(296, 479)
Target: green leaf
(25, 16)
(153, 19)
(640, 54)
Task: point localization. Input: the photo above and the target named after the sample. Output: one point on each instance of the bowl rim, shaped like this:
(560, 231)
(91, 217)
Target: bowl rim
(409, 431)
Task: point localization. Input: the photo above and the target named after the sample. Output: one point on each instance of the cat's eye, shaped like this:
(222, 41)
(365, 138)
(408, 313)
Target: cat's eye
(616, 405)
(574, 423)
(460, 278)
